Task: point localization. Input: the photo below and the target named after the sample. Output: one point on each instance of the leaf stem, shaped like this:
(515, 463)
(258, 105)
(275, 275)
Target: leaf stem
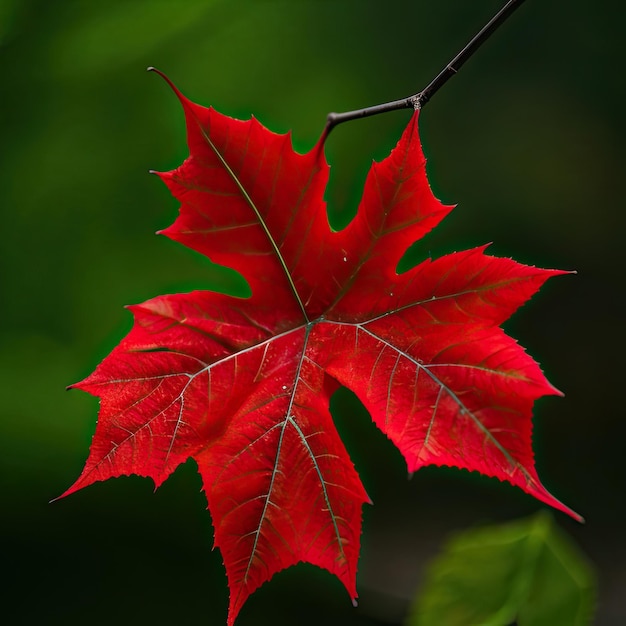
(418, 100)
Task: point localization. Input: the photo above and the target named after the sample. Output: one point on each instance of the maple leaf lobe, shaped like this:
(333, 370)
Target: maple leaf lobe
(243, 385)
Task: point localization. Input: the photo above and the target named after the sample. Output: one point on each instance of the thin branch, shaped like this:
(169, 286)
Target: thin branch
(418, 100)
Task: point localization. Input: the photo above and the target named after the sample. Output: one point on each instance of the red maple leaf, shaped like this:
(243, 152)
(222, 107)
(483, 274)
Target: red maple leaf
(242, 385)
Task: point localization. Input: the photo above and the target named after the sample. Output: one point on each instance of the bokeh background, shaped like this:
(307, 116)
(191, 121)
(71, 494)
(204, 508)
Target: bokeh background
(528, 139)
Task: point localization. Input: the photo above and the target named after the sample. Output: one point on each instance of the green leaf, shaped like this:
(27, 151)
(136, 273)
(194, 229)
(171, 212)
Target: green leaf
(526, 572)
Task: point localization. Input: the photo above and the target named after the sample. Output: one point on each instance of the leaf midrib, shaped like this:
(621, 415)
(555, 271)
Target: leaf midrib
(256, 211)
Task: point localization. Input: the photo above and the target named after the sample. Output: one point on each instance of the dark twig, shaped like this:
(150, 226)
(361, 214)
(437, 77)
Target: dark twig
(418, 100)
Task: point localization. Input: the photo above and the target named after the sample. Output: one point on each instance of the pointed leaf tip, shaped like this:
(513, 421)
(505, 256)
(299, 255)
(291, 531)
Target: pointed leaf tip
(168, 81)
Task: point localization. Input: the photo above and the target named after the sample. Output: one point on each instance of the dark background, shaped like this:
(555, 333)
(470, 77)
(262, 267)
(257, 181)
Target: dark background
(528, 139)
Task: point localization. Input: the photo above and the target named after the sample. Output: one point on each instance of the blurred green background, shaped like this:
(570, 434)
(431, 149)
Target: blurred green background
(528, 139)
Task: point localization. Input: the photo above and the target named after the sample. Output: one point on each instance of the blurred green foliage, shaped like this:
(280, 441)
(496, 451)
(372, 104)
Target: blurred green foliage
(525, 572)
(528, 139)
